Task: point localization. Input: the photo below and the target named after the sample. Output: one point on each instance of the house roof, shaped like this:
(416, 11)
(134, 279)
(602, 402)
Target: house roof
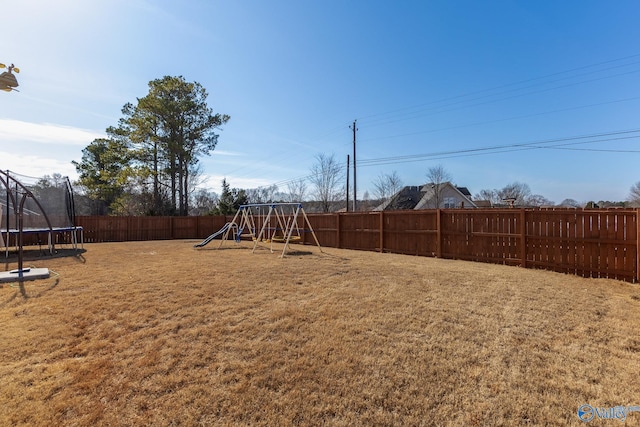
(429, 193)
(464, 190)
(407, 198)
(419, 197)
(483, 203)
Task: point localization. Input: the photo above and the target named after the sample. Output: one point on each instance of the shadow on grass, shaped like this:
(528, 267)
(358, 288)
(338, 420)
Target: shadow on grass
(30, 288)
(298, 253)
(29, 254)
(260, 247)
(11, 297)
(47, 289)
(224, 248)
(80, 258)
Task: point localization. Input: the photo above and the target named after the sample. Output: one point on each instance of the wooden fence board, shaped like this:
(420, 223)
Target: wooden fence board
(413, 233)
(326, 227)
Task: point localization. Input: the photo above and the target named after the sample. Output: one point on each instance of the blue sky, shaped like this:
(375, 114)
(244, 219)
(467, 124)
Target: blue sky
(463, 84)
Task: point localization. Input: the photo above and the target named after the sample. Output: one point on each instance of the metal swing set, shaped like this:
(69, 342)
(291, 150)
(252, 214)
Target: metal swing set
(266, 222)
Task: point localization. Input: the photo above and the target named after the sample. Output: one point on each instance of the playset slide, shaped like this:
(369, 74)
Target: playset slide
(213, 236)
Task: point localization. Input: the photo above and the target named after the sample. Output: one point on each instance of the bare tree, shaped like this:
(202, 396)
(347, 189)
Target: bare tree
(380, 189)
(386, 185)
(490, 195)
(517, 193)
(634, 195)
(262, 194)
(395, 182)
(297, 190)
(271, 193)
(570, 203)
(437, 176)
(327, 178)
(539, 200)
(197, 180)
(203, 202)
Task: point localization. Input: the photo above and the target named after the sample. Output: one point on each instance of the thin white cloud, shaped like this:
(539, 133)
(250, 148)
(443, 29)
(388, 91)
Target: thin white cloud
(12, 131)
(226, 153)
(36, 166)
(214, 182)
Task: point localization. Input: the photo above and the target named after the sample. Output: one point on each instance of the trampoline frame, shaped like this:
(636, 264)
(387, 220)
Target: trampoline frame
(73, 232)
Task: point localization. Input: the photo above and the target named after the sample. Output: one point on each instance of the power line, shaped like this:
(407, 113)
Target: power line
(282, 156)
(458, 97)
(558, 144)
(535, 144)
(440, 111)
(465, 125)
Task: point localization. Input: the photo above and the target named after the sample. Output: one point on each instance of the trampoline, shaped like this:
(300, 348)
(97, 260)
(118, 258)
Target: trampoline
(37, 211)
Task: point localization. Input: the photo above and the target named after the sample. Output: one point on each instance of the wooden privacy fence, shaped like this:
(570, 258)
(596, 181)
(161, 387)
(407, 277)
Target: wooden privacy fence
(132, 228)
(588, 243)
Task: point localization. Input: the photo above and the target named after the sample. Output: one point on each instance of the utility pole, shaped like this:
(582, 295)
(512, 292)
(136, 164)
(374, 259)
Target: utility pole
(355, 191)
(348, 183)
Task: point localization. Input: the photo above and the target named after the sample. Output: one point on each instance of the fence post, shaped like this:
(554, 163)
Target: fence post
(637, 278)
(304, 233)
(338, 228)
(523, 237)
(438, 234)
(381, 231)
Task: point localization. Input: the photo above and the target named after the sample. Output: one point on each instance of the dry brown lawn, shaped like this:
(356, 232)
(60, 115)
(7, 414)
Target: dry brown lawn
(157, 333)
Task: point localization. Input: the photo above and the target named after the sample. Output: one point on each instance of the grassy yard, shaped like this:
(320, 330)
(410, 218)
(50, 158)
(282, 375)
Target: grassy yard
(157, 333)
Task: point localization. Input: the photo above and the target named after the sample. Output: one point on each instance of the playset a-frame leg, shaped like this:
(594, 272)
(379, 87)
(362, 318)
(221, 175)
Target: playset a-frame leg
(265, 223)
(308, 224)
(233, 225)
(289, 231)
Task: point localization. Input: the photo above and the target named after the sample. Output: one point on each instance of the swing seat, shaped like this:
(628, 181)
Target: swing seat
(281, 239)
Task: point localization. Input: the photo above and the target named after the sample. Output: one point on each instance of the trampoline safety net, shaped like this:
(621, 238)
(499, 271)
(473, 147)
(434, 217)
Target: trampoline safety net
(48, 202)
